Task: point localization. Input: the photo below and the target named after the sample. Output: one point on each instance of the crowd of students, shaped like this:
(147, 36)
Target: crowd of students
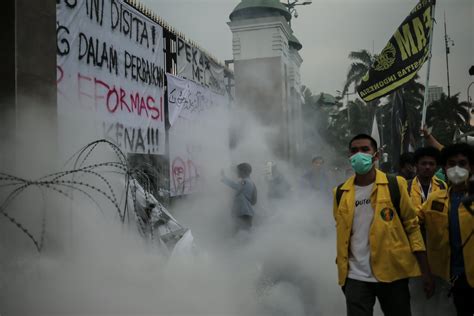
(391, 229)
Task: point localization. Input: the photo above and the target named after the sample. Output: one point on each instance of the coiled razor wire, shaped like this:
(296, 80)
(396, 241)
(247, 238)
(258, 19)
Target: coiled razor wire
(65, 183)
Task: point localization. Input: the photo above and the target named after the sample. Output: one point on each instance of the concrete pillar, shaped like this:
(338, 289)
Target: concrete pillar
(27, 109)
(35, 91)
(7, 86)
(260, 49)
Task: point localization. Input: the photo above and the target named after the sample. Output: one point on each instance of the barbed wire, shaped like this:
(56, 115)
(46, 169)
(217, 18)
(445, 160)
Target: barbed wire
(86, 179)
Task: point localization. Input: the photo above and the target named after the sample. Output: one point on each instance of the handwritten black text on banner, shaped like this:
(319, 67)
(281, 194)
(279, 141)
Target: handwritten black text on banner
(194, 113)
(195, 65)
(110, 65)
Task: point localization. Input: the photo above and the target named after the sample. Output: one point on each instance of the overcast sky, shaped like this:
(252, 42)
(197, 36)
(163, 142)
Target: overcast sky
(330, 29)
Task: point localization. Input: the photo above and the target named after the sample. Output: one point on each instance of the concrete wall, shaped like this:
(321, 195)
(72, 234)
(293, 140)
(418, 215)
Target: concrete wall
(27, 111)
(7, 85)
(260, 38)
(267, 78)
(259, 88)
(35, 50)
(28, 85)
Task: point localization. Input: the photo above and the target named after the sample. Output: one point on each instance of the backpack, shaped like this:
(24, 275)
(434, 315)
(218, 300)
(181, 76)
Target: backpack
(392, 187)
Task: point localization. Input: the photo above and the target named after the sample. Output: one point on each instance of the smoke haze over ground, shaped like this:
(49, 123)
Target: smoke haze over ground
(92, 264)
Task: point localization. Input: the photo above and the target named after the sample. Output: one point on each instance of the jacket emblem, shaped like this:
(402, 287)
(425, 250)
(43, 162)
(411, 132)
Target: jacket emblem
(437, 206)
(387, 214)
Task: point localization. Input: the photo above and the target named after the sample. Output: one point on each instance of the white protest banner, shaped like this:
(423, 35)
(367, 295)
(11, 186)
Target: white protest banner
(195, 112)
(110, 70)
(195, 65)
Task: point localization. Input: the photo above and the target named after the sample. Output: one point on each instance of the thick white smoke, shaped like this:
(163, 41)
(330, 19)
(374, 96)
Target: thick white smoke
(92, 264)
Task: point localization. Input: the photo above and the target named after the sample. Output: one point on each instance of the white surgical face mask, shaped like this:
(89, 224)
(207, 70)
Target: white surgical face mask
(457, 174)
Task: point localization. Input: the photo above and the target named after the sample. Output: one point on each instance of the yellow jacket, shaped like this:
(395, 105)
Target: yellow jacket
(416, 194)
(392, 242)
(435, 216)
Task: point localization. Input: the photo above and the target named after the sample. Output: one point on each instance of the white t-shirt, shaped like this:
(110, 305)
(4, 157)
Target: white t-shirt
(359, 251)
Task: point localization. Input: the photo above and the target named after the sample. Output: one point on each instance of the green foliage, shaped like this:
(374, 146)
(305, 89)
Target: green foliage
(344, 122)
(362, 61)
(447, 116)
(318, 111)
(336, 124)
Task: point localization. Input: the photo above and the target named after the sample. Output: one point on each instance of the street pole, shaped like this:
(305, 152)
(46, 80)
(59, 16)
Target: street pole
(289, 10)
(446, 43)
(428, 70)
(291, 4)
(382, 117)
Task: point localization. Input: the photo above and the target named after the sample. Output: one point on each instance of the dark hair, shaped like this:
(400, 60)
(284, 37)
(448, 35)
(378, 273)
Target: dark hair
(456, 149)
(315, 158)
(406, 158)
(426, 152)
(244, 169)
(364, 136)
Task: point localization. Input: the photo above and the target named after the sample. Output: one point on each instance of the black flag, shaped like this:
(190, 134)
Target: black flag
(401, 137)
(403, 55)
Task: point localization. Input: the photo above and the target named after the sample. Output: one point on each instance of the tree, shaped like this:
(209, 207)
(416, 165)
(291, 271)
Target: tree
(362, 60)
(309, 98)
(345, 122)
(314, 119)
(413, 95)
(359, 117)
(447, 116)
(325, 125)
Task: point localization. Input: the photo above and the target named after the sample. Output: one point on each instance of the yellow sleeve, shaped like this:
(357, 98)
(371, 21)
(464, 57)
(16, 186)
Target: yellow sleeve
(334, 203)
(409, 218)
(418, 210)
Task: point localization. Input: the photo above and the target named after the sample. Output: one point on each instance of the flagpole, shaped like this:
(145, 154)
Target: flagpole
(428, 70)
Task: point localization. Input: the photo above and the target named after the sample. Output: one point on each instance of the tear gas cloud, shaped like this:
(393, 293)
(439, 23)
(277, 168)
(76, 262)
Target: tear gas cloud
(92, 264)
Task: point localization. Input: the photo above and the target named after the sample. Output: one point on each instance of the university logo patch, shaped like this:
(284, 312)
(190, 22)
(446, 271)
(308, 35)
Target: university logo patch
(387, 214)
(437, 206)
(386, 59)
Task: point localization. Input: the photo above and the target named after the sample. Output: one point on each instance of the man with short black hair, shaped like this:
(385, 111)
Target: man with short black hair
(424, 183)
(379, 243)
(448, 219)
(406, 166)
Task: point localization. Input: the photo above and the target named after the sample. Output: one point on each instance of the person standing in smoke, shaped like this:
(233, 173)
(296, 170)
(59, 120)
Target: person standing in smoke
(379, 242)
(316, 179)
(448, 216)
(425, 182)
(420, 188)
(278, 187)
(245, 196)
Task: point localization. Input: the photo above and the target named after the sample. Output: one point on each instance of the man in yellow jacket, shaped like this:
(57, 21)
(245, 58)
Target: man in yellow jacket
(379, 243)
(425, 182)
(448, 217)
